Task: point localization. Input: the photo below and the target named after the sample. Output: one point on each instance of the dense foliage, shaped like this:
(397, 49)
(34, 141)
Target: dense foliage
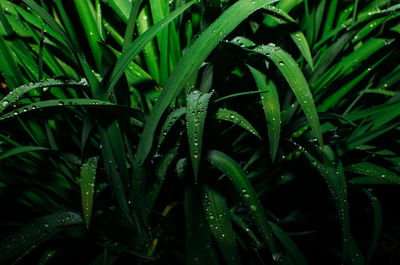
(207, 132)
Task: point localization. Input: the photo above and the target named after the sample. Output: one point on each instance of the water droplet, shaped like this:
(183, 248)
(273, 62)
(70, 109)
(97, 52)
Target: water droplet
(281, 63)
(5, 103)
(253, 207)
(61, 103)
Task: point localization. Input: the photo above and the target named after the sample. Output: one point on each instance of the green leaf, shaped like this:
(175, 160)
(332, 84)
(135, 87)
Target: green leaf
(77, 102)
(272, 109)
(290, 246)
(86, 13)
(18, 92)
(191, 62)
(199, 247)
(196, 111)
(246, 228)
(16, 246)
(372, 174)
(88, 177)
(21, 150)
(161, 172)
(377, 226)
(234, 172)
(137, 46)
(169, 122)
(241, 94)
(332, 171)
(297, 82)
(217, 215)
(236, 118)
(91, 78)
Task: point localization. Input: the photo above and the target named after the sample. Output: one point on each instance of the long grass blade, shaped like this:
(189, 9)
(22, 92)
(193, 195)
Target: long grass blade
(18, 92)
(196, 111)
(217, 215)
(57, 103)
(297, 82)
(272, 109)
(243, 186)
(295, 254)
(16, 246)
(237, 119)
(199, 247)
(377, 226)
(21, 150)
(191, 62)
(88, 177)
(138, 45)
(169, 123)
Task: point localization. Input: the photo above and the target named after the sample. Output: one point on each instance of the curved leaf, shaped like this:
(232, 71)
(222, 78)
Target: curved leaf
(169, 122)
(199, 247)
(138, 44)
(236, 118)
(77, 102)
(234, 172)
(19, 244)
(297, 82)
(18, 92)
(272, 109)
(20, 150)
(191, 62)
(292, 249)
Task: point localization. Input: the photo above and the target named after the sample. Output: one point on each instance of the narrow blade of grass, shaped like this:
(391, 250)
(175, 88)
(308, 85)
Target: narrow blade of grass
(86, 14)
(297, 82)
(199, 247)
(57, 103)
(217, 215)
(290, 246)
(377, 226)
(18, 92)
(14, 247)
(332, 172)
(243, 186)
(169, 122)
(137, 46)
(236, 118)
(372, 174)
(272, 109)
(191, 62)
(88, 177)
(21, 150)
(196, 111)
(245, 227)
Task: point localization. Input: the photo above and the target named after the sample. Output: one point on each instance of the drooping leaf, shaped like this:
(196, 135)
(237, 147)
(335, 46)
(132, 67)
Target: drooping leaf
(236, 118)
(272, 110)
(372, 174)
(190, 63)
(295, 254)
(20, 150)
(18, 92)
(57, 103)
(297, 82)
(16, 246)
(169, 122)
